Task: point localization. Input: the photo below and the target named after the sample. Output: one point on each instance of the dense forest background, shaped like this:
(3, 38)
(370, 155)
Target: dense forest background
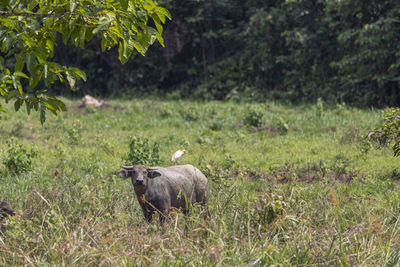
(296, 50)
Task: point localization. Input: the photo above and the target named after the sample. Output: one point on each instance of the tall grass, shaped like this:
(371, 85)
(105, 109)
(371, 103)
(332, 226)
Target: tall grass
(315, 194)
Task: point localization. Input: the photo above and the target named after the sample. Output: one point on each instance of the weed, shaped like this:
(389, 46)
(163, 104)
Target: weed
(340, 164)
(166, 112)
(341, 109)
(19, 159)
(216, 174)
(395, 175)
(102, 142)
(282, 126)
(216, 125)
(229, 162)
(189, 114)
(142, 152)
(351, 135)
(365, 146)
(269, 208)
(254, 118)
(388, 132)
(74, 133)
(319, 109)
(206, 137)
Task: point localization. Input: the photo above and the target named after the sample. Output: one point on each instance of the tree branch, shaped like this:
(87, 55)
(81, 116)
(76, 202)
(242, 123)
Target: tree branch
(26, 14)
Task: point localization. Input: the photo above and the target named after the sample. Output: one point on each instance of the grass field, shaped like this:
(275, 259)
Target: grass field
(299, 187)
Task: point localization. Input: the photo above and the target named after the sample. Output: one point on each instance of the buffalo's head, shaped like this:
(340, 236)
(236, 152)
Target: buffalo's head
(138, 174)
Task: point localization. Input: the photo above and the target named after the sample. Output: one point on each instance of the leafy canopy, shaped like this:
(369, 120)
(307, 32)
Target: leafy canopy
(28, 32)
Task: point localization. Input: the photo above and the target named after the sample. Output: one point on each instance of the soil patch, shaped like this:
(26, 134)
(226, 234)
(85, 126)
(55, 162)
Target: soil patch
(285, 176)
(282, 176)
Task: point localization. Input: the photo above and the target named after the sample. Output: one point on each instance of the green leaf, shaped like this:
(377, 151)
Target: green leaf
(8, 42)
(157, 22)
(46, 74)
(82, 37)
(103, 44)
(17, 104)
(138, 47)
(20, 62)
(160, 39)
(30, 62)
(17, 84)
(42, 113)
(13, 94)
(28, 107)
(50, 107)
(57, 104)
(162, 13)
(71, 79)
(122, 52)
(88, 36)
(81, 74)
(50, 45)
(35, 105)
(32, 4)
(103, 24)
(124, 4)
(1, 63)
(21, 74)
(36, 75)
(128, 49)
(143, 40)
(72, 5)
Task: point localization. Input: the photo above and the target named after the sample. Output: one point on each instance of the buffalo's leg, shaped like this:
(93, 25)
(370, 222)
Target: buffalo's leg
(148, 215)
(207, 214)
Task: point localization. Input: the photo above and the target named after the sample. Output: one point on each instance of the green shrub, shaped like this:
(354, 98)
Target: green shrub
(166, 112)
(254, 118)
(270, 207)
(19, 159)
(206, 137)
(189, 114)
(142, 152)
(216, 125)
(388, 133)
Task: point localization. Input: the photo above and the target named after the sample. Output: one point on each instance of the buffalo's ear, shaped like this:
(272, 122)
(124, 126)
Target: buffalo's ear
(153, 173)
(123, 173)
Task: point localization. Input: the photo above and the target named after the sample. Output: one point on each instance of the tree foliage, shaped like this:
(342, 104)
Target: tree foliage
(344, 51)
(30, 30)
(340, 51)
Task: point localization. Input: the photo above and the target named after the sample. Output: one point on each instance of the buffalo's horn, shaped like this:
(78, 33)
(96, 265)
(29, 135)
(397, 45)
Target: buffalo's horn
(127, 167)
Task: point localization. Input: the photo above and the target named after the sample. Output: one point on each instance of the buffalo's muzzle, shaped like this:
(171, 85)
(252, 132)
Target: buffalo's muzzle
(139, 182)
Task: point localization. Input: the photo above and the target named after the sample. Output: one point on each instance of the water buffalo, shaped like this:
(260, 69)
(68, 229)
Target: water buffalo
(158, 189)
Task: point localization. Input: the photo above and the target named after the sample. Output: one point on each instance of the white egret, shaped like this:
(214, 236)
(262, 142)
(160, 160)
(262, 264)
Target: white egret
(178, 154)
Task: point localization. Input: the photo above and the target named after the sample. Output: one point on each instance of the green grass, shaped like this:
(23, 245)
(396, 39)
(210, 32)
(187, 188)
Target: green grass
(275, 198)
